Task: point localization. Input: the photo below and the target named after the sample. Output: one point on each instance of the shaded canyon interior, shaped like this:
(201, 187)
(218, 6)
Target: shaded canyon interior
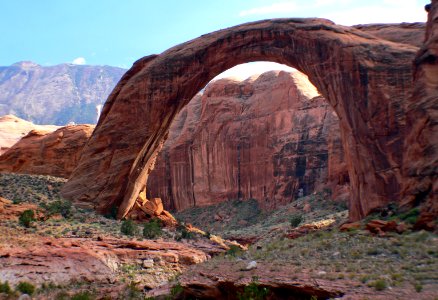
(267, 138)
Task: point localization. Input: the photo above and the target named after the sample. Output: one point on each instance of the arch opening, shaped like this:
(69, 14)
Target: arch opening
(347, 66)
(257, 131)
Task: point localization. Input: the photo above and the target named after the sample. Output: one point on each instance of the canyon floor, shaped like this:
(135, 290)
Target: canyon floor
(297, 251)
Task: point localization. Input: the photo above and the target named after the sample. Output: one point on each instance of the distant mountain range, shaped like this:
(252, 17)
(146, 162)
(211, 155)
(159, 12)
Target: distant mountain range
(56, 94)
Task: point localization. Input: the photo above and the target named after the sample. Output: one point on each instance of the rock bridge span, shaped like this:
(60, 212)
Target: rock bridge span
(364, 78)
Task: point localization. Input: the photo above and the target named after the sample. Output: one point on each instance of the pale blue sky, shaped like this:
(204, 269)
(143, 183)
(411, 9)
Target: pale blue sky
(118, 32)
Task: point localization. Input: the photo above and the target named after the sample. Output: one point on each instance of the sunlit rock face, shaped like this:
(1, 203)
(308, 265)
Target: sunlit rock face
(43, 152)
(12, 129)
(264, 138)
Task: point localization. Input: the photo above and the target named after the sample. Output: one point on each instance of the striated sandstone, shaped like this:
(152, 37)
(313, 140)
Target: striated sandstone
(420, 163)
(264, 138)
(404, 33)
(12, 129)
(47, 153)
(365, 79)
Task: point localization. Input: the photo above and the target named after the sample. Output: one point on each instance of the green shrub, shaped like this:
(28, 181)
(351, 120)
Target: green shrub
(25, 288)
(379, 285)
(112, 213)
(184, 233)
(26, 218)
(5, 288)
(128, 227)
(82, 296)
(59, 207)
(296, 220)
(418, 287)
(176, 290)
(62, 295)
(411, 216)
(152, 229)
(253, 291)
(234, 251)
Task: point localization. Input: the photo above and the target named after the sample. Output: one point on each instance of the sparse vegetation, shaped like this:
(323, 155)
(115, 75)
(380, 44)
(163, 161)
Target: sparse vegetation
(296, 220)
(183, 233)
(5, 288)
(82, 296)
(152, 229)
(129, 228)
(253, 291)
(234, 251)
(64, 208)
(26, 218)
(379, 285)
(176, 290)
(407, 260)
(26, 288)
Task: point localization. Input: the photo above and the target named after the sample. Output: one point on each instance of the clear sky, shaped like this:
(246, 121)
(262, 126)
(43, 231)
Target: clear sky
(118, 32)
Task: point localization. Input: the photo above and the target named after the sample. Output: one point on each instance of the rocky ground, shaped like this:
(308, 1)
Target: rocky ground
(295, 252)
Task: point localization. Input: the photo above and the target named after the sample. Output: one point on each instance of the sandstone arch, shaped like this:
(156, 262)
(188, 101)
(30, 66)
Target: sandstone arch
(364, 78)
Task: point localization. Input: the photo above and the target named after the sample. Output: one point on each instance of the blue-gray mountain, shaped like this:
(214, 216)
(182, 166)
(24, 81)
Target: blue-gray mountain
(56, 94)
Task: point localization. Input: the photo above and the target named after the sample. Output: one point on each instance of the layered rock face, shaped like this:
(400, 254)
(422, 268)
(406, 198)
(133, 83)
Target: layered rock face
(420, 164)
(12, 129)
(404, 33)
(56, 94)
(47, 153)
(264, 138)
(365, 79)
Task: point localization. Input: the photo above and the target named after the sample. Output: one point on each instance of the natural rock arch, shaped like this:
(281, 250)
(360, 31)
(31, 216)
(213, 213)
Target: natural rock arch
(364, 78)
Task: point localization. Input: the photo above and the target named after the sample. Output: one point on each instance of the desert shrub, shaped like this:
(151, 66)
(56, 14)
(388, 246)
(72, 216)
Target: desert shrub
(128, 227)
(152, 229)
(296, 220)
(112, 213)
(253, 291)
(5, 288)
(234, 251)
(418, 287)
(62, 295)
(82, 296)
(379, 285)
(176, 290)
(411, 216)
(25, 288)
(59, 207)
(26, 218)
(184, 233)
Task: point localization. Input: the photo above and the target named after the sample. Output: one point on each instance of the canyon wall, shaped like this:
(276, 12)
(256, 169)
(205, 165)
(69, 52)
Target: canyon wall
(264, 138)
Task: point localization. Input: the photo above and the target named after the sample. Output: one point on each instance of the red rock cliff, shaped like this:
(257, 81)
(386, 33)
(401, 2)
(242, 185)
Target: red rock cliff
(264, 138)
(47, 153)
